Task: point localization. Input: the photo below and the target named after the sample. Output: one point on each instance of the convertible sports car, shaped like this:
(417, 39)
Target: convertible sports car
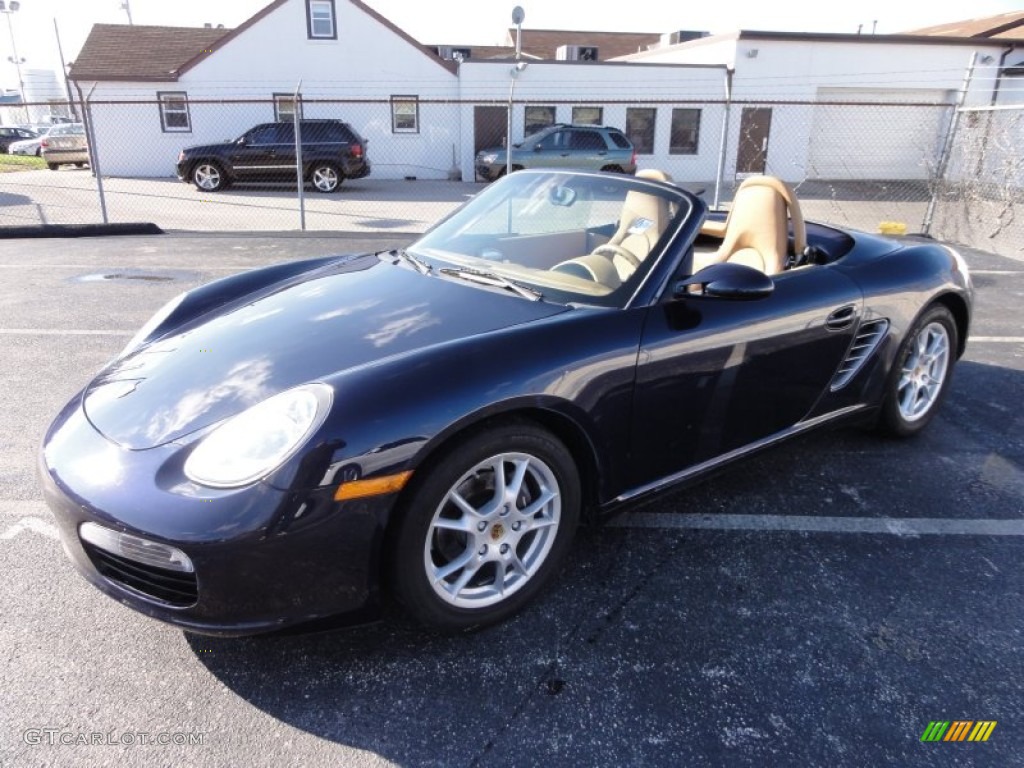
(295, 443)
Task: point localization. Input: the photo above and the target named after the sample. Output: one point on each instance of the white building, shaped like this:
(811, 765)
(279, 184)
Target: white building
(425, 116)
(854, 134)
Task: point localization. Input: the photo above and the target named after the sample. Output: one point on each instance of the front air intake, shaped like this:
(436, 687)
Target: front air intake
(869, 336)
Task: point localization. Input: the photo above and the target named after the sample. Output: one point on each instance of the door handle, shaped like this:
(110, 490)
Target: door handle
(841, 318)
(565, 154)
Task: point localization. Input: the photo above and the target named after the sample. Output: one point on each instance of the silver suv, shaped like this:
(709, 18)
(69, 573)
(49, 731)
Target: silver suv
(587, 147)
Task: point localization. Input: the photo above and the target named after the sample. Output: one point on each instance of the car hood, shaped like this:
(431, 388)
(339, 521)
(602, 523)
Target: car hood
(202, 148)
(337, 318)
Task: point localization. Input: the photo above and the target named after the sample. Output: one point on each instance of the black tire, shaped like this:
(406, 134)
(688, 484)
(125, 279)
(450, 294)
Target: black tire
(53, 166)
(613, 169)
(918, 382)
(325, 177)
(208, 176)
(39, 151)
(525, 550)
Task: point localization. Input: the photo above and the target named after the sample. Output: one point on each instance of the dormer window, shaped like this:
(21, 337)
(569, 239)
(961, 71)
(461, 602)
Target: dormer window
(320, 20)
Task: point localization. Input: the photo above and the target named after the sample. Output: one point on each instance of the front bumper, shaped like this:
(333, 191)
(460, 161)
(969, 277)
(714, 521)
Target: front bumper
(264, 558)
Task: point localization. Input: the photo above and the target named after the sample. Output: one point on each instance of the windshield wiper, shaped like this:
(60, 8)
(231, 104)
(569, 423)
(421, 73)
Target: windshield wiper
(489, 278)
(419, 264)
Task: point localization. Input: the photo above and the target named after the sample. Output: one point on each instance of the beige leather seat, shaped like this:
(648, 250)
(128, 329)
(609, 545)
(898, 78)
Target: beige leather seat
(641, 224)
(756, 230)
(643, 220)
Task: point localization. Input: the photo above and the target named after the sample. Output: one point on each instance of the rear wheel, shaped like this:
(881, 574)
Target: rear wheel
(325, 177)
(921, 373)
(613, 169)
(208, 176)
(485, 528)
(53, 166)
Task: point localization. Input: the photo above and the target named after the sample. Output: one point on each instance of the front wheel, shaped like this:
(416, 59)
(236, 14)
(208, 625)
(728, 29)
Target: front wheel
(325, 177)
(208, 177)
(485, 528)
(53, 166)
(921, 373)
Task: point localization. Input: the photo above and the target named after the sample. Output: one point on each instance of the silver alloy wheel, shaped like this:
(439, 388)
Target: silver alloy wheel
(207, 176)
(325, 178)
(493, 530)
(923, 372)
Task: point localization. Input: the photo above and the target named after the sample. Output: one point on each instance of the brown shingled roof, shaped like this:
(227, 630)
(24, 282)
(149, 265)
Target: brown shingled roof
(544, 43)
(118, 52)
(122, 52)
(1005, 25)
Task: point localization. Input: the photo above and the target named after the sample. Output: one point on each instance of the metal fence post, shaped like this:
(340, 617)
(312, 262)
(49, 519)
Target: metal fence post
(297, 121)
(724, 144)
(947, 146)
(94, 155)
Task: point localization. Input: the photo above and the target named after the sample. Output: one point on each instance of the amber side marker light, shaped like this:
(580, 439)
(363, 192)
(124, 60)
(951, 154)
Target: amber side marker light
(358, 489)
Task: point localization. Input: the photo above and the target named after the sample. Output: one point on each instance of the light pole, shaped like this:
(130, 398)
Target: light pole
(7, 9)
(518, 14)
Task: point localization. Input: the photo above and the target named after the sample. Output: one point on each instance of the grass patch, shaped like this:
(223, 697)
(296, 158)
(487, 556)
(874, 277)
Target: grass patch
(9, 163)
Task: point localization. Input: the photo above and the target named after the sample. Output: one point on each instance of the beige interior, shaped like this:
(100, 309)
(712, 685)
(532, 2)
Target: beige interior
(756, 230)
(643, 220)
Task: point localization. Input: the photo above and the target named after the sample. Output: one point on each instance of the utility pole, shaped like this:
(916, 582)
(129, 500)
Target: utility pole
(64, 71)
(126, 6)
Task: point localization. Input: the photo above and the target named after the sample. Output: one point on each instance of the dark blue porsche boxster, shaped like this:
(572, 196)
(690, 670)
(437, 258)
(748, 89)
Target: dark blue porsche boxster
(297, 442)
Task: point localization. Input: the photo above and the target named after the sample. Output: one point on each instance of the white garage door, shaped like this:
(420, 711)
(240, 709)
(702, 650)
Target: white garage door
(877, 141)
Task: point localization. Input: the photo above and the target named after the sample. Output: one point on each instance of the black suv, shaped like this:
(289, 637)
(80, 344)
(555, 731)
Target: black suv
(332, 151)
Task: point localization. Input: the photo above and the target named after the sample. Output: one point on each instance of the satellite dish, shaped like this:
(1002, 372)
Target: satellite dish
(518, 14)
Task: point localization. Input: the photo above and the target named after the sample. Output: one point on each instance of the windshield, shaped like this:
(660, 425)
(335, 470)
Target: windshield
(575, 237)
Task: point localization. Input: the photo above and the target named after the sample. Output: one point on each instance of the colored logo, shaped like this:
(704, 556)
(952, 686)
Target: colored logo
(958, 730)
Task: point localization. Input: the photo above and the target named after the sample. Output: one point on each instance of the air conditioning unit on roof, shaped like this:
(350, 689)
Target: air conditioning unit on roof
(576, 53)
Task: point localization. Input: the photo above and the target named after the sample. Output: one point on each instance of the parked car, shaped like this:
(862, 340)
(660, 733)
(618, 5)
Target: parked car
(9, 135)
(31, 146)
(332, 151)
(585, 147)
(293, 442)
(65, 144)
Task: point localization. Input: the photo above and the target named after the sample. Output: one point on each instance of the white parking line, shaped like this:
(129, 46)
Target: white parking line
(103, 267)
(997, 339)
(996, 272)
(26, 524)
(62, 332)
(894, 526)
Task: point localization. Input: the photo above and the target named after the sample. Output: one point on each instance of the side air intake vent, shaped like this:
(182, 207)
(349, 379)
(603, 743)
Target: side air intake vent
(869, 335)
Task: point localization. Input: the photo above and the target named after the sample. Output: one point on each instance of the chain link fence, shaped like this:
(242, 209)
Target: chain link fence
(921, 166)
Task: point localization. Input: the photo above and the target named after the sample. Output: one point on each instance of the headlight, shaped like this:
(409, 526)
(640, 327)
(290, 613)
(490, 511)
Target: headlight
(488, 158)
(152, 324)
(254, 443)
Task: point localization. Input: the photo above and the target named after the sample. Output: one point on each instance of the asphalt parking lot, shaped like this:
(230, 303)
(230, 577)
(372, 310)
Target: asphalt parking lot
(817, 605)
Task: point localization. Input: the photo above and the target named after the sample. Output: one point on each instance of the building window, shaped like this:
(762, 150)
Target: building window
(640, 128)
(685, 132)
(538, 118)
(320, 20)
(284, 107)
(587, 115)
(405, 114)
(174, 117)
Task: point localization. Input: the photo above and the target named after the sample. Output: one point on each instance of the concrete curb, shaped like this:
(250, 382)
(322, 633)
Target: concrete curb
(81, 230)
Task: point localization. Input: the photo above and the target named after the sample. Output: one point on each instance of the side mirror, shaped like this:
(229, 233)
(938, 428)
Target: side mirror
(726, 281)
(242, 141)
(538, 147)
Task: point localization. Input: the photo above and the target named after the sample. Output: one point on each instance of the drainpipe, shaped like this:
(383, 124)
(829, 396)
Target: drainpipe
(999, 73)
